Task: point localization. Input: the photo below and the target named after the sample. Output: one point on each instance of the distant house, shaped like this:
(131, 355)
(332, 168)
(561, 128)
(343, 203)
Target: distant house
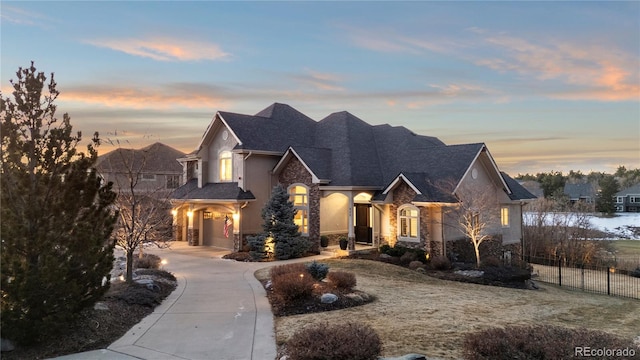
(373, 185)
(580, 192)
(533, 187)
(628, 200)
(155, 166)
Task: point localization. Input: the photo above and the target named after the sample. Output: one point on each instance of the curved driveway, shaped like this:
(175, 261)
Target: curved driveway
(219, 311)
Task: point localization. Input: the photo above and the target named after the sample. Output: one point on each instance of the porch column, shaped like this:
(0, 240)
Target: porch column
(192, 235)
(237, 239)
(351, 239)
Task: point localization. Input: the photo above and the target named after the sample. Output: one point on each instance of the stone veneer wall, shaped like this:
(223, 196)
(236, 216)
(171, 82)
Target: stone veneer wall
(404, 194)
(294, 172)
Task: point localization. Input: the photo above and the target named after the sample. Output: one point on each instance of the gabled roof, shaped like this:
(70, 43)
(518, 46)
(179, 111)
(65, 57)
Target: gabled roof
(272, 129)
(316, 160)
(518, 192)
(229, 191)
(632, 190)
(579, 190)
(156, 158)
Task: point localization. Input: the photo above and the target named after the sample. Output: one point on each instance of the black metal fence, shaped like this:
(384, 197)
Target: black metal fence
(590, 278)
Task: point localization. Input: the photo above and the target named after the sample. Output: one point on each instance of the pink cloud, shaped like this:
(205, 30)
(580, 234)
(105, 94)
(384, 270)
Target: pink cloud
(164, 48)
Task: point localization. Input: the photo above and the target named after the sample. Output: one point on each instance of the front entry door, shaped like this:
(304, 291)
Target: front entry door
(363, 227)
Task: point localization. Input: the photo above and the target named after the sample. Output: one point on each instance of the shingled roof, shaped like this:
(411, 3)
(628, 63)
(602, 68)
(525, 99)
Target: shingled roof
(212, 191)
(346, 151)
(156, 158)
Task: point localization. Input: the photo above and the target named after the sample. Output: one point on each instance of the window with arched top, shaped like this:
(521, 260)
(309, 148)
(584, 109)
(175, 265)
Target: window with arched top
(226, 166)
(408, 223)
(299, 196)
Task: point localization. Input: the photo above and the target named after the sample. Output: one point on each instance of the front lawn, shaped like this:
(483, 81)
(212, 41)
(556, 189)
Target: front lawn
(416, 313)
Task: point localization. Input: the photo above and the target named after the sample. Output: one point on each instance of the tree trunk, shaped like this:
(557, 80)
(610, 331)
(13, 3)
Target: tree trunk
(129, 277)
(476, 247)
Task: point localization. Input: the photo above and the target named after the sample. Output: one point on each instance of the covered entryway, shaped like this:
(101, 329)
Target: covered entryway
(363, 230)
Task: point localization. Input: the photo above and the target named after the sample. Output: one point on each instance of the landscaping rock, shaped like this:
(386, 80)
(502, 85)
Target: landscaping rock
(100, 306)
(355, 297)
(421, 270)
(6, 345)
(150, 284)
(470, 273)
(268, 285)
(328, 298)
(531, 285)
(385, 256)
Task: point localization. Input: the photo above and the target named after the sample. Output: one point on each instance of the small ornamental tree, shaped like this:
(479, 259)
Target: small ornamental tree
(280, 238)
(57, 218)
(605, 200)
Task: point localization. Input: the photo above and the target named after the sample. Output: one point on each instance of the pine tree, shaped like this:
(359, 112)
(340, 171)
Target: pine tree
(279, 230)
(56, 215)
(605, 202)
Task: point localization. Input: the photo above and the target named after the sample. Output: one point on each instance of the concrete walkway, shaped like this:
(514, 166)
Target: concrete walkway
(218, 311)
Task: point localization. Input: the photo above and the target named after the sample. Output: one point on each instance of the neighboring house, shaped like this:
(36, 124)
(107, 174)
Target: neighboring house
(628, 200)
(156, 167)
(533, 187)
(580, 192)
(371, 184)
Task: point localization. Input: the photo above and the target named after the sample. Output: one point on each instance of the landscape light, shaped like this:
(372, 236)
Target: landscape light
(164, 262)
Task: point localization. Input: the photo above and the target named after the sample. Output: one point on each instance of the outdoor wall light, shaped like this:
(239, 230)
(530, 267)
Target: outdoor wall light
(236, 217)
(174, 212)
(190, 213)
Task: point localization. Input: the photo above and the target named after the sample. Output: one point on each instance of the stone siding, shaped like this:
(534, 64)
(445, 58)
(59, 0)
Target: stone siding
(404, 194)
(294, 172)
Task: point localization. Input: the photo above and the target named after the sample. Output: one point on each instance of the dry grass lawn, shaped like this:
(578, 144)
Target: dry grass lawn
(415, 313)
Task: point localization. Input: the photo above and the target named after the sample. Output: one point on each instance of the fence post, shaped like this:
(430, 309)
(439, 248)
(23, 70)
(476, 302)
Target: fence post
(582, 282)
(559, 271)
(609, 280)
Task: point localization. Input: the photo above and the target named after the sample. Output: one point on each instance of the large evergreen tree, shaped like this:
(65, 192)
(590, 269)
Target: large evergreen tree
(280, 237)
(605, 202)
(56, 215)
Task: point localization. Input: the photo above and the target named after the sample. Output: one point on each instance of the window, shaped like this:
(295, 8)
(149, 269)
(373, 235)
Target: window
(408, 225)
(148, 177)
(173, 181)
(226, 169)
(504, 216)
(620, 199)
(634, 199)
(299, 196)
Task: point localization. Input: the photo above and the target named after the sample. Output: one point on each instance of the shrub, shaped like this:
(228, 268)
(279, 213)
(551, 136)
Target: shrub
(239, 256)
(317, 270)
(155, 272)
(636, 272)
(353, 341)
(441, 263)
(491, 261)
(297, 268)
(507, 274)
(384, 249)
(148, 261)
(408, 257)
(416, 265)
(538, 342)
(342, 280)
(292, 286)
(291, 247)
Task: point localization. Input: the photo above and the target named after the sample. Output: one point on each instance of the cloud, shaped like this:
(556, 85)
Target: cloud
(164, 48)
(20, 16)
(319, 80)
(168, 96)
(589, 71)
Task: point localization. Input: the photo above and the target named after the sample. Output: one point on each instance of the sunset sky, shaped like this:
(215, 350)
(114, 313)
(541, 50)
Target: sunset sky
(547, 85)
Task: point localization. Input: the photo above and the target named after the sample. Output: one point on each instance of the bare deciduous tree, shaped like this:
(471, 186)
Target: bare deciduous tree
(476, 214)
(143, 206)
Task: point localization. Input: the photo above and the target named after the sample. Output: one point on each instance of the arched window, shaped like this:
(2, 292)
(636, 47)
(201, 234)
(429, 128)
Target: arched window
(408, 223)
(299, 196)
(226, 168)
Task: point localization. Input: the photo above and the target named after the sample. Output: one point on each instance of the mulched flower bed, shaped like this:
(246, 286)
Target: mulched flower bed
(313, 304)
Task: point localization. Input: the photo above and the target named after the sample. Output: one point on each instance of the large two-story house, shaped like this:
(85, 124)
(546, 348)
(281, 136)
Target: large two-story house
(628, 200)
(371, 184)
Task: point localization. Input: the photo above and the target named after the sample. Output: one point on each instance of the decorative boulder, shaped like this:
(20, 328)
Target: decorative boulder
(100, 306)
(328, 298)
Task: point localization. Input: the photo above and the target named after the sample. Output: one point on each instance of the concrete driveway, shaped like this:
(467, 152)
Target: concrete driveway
(219, 311)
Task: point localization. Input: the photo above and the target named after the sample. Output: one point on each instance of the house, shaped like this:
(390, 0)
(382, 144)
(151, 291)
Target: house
(628, 200)
(155, 168)
(371, 184)
(580, 192)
